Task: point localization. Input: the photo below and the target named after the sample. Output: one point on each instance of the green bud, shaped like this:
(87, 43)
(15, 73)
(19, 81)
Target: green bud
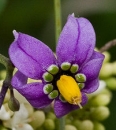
(98, 126)
(65, 66)
(49, 124)
(107, 56)
(106, 70)
(51, 115)
(114, 67)
(111, 83)
(37, 118)
(86, 125)
(77, 123)
(13, 104)
(70, 127)
(100, 100)
(100, 113)
(80, 77)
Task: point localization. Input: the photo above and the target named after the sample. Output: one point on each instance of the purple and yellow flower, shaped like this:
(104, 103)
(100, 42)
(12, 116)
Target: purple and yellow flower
(65, 78)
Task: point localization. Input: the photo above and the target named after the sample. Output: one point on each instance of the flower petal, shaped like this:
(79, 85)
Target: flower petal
(91, 69)
(19, 79)
(77, 41)
(91, 86)
(33, 92)
(62, 109)
(30, 55)
(67, 41)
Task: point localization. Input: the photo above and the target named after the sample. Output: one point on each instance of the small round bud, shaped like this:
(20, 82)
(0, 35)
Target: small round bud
(107, 56)
(70, 127)
(98, 126)
(114, 67)
(106, 70)
(86, 125)
(77, 123)
(38, 119)
(100, 100)
(51, 115)
(100, 113)
(49, 124)
(13, 104)
(111, 83)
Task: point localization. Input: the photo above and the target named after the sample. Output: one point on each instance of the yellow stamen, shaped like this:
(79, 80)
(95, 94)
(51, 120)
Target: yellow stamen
(69, 89)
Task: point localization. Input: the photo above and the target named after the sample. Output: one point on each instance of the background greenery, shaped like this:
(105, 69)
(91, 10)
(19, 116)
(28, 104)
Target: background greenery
(36, 18)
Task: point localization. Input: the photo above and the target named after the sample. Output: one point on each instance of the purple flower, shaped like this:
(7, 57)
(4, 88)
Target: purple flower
(66, 77)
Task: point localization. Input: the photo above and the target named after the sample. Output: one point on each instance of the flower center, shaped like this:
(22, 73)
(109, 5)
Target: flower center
(69, 89)
(65, 82)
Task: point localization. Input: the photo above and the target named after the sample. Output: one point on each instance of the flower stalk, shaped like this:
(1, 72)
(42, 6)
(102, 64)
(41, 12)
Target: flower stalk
(57, 7)
(9, 72)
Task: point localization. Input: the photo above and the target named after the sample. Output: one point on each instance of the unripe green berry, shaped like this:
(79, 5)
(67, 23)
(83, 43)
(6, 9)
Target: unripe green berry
(111, 83)
(107, 56)
(100, 113)
(106, 70)
(114, 67)
(38, 119)
(77, 123)
(51, 115)
(49, 124)
(98, 126)
(70, 127)
(86, 125)
(100, 100)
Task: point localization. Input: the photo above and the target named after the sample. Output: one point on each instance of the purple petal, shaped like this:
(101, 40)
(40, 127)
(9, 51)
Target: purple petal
(77, 41)
(30, 55)
(34, 94)
(62, 109)
(19, 79)
(91, 69)
(91, 86)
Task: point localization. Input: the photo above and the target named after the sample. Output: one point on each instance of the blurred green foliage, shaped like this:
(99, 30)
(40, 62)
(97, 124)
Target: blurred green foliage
(36, 18)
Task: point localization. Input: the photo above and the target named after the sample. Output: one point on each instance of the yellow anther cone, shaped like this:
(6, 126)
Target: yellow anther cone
(69, 89)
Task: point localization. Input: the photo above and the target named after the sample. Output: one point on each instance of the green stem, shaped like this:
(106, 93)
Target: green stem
(7, 82)
(62, 123)
(57, 7)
